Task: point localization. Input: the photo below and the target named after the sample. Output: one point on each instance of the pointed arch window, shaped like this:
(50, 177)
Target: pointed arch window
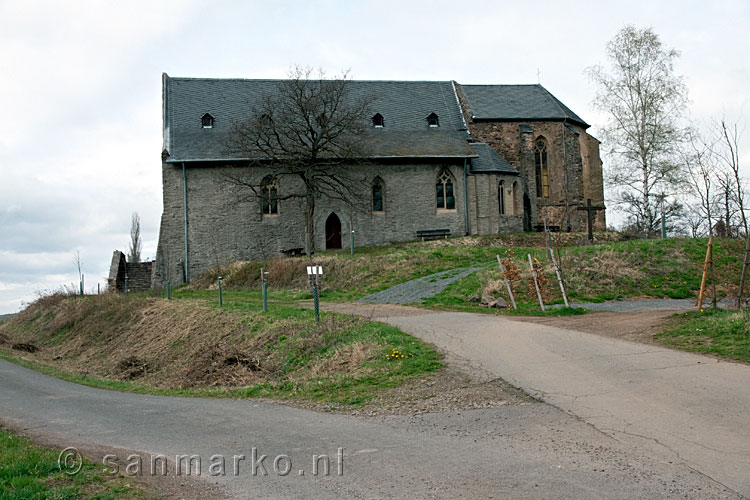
(207, 121)
(501, 197)
(444, 191)
(378, 189)
(433, 120)
(270, 196)
(542, 169)
(378, 121)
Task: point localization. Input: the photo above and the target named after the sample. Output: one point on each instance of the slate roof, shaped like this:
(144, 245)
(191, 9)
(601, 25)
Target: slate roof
(489, 161)
(516, 103)
(404, 105)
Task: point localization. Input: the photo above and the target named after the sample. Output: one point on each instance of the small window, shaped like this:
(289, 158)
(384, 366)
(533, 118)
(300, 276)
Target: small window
(501, 197)
(270, 196)
(377, 195)
(207, 121)
(377, 121)
(432, 120)
(445, 196)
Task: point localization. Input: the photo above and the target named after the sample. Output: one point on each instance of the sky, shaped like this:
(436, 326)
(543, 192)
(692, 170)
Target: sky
(80, 90)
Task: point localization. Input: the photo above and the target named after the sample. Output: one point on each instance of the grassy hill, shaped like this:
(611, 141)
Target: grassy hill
(193, 347)
(615, 269)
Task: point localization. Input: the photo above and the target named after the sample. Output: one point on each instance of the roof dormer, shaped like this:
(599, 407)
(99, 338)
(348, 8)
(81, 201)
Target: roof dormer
(207, 121)
(378, 121)
(432, 120)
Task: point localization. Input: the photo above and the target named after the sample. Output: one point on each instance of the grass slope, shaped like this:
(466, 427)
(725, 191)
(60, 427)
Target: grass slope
(194, 347)
(668, 268)
(713, 331)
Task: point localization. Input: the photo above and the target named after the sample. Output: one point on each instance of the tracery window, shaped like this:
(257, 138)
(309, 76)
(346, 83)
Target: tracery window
(270, 196)
(377, 195)
(445, 195)
(542, 170)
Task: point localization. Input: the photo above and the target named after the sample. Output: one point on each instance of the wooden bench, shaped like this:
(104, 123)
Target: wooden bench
(432, 234)
(552, 229)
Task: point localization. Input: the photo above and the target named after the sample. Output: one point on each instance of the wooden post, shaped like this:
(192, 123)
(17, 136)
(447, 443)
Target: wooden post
(536, 283)
(705, 272)
(507, 283)
(559, 279)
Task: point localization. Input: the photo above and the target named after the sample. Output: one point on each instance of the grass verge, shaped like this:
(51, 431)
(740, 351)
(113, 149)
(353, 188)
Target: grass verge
(718, 332)
(193, 347)
(31, 472)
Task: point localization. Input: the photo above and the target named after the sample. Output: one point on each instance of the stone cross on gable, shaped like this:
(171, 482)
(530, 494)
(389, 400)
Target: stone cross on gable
(591, 210)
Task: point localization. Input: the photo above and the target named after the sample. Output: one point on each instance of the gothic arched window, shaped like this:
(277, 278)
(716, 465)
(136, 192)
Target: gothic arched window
(270, 196)
(377, 195)
(501, 197)
(446, 198)
(542, 170)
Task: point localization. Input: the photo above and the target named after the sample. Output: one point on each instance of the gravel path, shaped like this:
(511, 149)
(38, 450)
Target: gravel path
(645, 305)
(415, 291)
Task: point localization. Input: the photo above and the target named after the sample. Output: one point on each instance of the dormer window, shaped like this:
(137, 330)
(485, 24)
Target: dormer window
(207, 121)
(377, 121)
(432, 120)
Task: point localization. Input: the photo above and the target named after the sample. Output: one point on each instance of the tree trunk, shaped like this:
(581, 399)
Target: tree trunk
(310, 220)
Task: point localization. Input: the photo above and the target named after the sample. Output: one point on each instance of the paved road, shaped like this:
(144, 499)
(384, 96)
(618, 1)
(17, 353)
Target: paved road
(648, 305)
(532, 451)
(684, 408)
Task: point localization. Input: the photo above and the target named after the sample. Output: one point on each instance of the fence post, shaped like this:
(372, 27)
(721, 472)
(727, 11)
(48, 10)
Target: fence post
(316, 302)
(169, 291)
(221, 300)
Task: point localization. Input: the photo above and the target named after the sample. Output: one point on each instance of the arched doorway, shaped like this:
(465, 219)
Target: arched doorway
(333, 232)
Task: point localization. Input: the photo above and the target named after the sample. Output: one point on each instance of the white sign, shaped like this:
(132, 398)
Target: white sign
(315, 270)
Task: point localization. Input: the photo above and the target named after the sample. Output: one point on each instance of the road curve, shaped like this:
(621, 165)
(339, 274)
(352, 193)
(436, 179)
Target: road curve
(529, 451)
(683, 408)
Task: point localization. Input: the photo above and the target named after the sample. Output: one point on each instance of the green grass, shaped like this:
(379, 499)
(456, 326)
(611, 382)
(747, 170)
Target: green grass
(30, 472)
(714, 331)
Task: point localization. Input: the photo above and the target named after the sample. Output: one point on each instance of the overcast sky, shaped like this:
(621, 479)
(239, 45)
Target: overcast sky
(80, 90)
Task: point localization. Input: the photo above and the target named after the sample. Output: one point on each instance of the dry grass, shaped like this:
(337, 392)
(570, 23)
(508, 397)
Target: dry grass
(178, 343)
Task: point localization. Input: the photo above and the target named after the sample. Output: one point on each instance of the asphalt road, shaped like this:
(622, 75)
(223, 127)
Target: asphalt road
(515, 452)
(682, 408)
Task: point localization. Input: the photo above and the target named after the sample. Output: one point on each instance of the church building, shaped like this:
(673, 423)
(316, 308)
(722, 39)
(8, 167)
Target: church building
(444, 159)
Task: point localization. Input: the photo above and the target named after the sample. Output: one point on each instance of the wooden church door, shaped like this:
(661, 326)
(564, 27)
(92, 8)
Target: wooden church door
(333, 232)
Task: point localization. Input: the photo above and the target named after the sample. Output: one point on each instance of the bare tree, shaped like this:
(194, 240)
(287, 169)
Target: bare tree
(308, 130)
(645, 101)
(79, 267)
(134, 249)
(727, 149)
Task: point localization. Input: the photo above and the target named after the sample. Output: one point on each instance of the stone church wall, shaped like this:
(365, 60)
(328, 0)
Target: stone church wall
(225, 224)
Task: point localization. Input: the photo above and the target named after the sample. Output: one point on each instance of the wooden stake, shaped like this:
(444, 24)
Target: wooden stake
(536, 283)
(559, 279)
(705, 272)
(507, 283)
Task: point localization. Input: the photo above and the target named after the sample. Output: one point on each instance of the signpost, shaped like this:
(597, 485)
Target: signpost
(265, 289)
(315, 279)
